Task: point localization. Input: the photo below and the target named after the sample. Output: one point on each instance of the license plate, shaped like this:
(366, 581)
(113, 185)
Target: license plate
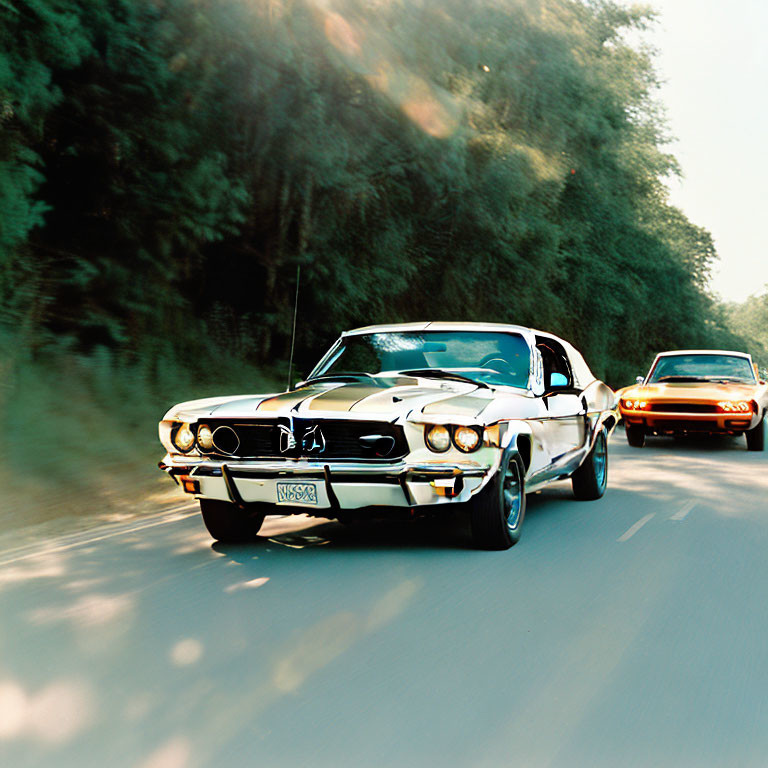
(296, 493)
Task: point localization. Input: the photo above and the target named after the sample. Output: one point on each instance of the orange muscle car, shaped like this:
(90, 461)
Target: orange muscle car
(702, 391)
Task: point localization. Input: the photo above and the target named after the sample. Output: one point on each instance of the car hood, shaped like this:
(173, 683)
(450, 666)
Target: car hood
(387, 399)
(703, 390)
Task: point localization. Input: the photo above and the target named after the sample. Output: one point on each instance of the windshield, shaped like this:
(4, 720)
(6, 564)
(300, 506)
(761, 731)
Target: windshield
(490, 358)
(690, 368)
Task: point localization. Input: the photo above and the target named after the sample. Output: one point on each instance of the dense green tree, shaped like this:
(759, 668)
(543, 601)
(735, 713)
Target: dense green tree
(749, 319)
(166, 165)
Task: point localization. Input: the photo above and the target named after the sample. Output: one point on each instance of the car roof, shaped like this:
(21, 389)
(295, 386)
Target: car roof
(438, 326)
(445, 325)
(703, 352)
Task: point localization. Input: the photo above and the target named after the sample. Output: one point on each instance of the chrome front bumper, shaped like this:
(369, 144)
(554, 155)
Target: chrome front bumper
(332, 486)
(682, 421)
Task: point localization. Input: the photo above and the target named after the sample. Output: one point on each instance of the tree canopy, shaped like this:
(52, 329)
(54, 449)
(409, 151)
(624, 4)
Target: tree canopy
(165, 166)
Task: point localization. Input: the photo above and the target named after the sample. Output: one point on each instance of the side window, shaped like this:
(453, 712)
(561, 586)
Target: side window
(555, 361)
(582, 375)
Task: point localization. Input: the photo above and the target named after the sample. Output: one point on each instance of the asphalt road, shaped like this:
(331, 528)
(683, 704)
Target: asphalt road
(630, 631)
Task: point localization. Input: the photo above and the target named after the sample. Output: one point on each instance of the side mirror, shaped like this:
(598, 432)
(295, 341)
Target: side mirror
(639, 379)
(558, 380)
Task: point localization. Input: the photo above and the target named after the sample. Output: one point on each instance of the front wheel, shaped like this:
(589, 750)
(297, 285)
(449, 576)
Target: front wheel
(635, 436)
(590, 479)
(756, 437)
(497, 512)
(228, 523)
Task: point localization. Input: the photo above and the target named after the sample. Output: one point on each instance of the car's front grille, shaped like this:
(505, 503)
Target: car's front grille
(679, 425)
(683, 408)
(308, 438)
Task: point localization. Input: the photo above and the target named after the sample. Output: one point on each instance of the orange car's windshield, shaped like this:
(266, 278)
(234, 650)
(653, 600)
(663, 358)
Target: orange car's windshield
(691, 368)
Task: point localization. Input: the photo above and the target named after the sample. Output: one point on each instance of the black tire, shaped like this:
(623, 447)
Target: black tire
(497, 512)
(590, 479)
(756, 437)
(228, 523)
(635, 436)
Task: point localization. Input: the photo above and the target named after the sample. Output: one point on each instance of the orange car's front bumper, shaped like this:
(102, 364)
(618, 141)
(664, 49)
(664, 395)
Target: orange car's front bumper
(686, 421)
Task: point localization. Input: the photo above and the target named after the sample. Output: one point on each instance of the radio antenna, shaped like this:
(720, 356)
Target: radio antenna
(293, 333)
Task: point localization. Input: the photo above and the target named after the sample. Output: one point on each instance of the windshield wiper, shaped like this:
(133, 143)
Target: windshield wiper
(439, 373)
(681, 378)
(353, 376)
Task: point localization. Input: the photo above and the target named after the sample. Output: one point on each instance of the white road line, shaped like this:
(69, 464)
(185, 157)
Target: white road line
(682, 513)
(93, 539)
(636, 527)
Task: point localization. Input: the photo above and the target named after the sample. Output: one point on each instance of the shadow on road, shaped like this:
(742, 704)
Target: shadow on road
(366, 534)
(685, 443)
(449, 531)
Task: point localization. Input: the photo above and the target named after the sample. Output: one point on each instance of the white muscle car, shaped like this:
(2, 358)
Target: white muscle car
(415, 418)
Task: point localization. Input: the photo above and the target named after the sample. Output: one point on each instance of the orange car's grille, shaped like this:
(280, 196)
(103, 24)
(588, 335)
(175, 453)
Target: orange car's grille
(683, 408)
(686, 426)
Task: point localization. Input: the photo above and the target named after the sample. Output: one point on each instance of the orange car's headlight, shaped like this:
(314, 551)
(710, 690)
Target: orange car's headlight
(636, 405)
(735, 406)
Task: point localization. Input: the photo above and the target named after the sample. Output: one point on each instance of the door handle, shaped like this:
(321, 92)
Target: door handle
(587, 425)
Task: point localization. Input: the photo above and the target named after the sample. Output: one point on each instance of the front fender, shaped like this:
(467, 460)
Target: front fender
(518, 436)
(600, 401)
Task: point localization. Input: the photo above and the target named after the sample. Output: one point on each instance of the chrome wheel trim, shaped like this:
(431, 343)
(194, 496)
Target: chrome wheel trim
(511, 493)
(600, 460)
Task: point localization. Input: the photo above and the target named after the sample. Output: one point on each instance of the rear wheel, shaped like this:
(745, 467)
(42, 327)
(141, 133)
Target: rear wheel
(498, 511)
(590, 479)
(756, 437)
(227, 522)
(635, 436)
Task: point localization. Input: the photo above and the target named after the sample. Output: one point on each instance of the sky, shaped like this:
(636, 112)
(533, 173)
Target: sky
(713, 59)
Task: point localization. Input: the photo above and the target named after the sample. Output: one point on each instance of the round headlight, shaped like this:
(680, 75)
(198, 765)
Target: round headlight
(438, 438)
(184, 439)
(205, 437)
(466, 439)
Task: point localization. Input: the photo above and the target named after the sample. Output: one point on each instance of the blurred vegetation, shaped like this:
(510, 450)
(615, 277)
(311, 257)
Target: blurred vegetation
(165, 166)
(749, 319)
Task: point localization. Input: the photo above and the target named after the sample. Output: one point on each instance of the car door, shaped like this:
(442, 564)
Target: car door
(564, 421)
